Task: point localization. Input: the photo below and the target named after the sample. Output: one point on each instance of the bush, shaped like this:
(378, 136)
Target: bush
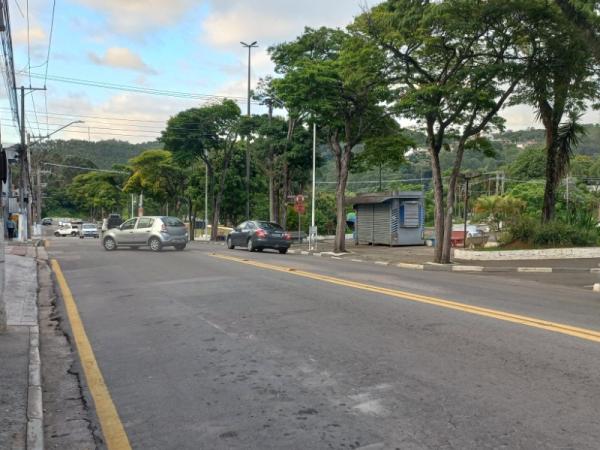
(530, 232)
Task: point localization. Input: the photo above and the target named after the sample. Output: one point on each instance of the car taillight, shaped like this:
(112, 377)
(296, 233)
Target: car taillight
(261, 233)
(163, 228)
(287, 236)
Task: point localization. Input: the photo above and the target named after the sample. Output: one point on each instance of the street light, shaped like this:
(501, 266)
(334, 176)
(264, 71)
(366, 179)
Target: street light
(41, 138)
(249, 47)
(38, 194)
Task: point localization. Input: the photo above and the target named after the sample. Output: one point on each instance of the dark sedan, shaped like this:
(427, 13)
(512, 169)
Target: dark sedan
(257, 235)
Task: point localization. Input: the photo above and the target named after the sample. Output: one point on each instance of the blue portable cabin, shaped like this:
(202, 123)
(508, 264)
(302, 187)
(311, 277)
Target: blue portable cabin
(394, 218)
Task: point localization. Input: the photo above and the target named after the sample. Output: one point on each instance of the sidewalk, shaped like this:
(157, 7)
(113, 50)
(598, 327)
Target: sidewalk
(20, 381)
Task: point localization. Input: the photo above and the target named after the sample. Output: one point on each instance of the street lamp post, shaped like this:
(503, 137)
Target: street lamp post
(249, 47)
(467, 178)
(38, 196)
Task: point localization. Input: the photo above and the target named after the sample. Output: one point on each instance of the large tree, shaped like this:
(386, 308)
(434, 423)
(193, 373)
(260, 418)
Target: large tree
(454, 64)
(336, 79)
(561, 82)
(208, 134)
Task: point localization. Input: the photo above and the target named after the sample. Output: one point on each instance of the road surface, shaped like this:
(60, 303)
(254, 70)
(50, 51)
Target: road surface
(269, 351)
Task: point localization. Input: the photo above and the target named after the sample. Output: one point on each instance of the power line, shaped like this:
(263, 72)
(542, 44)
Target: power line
(140, 90)
(85, 168)
(48, 63)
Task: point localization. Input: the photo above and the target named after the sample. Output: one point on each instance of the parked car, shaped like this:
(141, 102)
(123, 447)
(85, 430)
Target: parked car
(46, 221)
(472, 230)
(114, 221)
(67, 229)
(155, 232)
(258, 235)
(89, 230)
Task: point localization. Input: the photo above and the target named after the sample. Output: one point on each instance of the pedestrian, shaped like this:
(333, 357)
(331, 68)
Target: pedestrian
(10, 227)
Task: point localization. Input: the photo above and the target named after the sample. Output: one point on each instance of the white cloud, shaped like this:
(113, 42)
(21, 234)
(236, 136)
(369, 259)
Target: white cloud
(140, 16)
(122, 58)
(37, 36)
(272, 21)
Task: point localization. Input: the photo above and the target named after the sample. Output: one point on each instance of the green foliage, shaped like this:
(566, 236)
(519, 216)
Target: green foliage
(532, 193)
(530, 232)
(102, 154)
(529, 165)
(155, 174)
(496, 209)
(97, 192)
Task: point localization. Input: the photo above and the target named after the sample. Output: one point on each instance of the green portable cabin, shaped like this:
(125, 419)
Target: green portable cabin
(395, 218)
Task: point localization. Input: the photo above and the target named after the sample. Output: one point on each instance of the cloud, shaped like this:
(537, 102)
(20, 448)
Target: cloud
(122, 58)
(37, 36)
(140, 16)
(272, 21)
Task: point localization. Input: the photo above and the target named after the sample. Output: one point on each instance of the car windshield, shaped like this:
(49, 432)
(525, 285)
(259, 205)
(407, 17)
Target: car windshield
(89, 225)
(173, 222)
(269, 226)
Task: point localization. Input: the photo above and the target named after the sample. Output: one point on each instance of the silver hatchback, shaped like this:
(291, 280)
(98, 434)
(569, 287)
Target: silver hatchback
(155, 232)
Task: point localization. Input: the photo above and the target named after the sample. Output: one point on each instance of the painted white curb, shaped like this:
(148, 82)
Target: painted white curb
(35, 411)
(467, 268)
(534, 269)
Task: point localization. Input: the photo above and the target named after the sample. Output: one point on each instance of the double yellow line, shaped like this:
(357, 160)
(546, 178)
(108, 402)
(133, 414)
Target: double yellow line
(582, 333)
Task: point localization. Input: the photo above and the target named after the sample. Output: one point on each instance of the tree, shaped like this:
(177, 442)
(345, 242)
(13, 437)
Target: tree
(206, 134)
(97, 192)
(155, 174)
(583, 15)
(529, 165)
(455, 64)
(496, 209)
(336, 78)
(562, 79)
(385, 151)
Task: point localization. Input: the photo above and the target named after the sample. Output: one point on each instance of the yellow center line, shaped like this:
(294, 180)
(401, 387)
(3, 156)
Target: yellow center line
(112, 428)
(582, 333)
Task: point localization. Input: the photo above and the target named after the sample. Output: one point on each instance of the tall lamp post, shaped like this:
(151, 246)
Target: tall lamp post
(249, 47)
(467, 178)
(38, 191)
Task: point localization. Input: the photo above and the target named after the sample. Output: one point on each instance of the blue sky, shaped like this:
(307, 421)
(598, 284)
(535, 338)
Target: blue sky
(175, 45)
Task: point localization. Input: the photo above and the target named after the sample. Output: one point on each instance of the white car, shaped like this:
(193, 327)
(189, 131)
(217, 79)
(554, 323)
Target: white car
(89, 230)
(66, 229)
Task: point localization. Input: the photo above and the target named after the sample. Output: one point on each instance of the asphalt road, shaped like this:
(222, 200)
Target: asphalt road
(202, 352)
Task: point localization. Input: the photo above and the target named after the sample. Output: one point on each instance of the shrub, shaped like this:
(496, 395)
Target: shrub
(554, 234)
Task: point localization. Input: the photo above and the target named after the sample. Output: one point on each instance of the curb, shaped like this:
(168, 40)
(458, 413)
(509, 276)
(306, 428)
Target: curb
(434, 267)
(35, 410)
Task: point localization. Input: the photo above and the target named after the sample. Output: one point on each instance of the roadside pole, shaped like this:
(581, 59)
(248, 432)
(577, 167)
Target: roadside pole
(312, 233)
(205, 201)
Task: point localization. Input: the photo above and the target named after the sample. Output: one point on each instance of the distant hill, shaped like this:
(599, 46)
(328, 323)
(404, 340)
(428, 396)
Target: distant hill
(103, 154)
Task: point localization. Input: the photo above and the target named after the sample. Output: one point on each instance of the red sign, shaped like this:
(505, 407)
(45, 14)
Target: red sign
(299, 205)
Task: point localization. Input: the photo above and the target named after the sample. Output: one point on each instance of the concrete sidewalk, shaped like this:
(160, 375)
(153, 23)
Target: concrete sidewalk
(20, 371)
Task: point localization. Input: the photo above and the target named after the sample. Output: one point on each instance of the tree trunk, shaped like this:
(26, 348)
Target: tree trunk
(342, 165)
(191, 218)
(450, 198)
(549, 204)
(219, 195)
(284, 196)
(438, 195)
(272, 214)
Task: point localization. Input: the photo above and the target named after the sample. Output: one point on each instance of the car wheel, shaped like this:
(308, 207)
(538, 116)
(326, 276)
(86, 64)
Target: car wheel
(180, 248)
(283, 251)
(260, 249)
(57, 234)
(73, 234)
(80, 237)
(110, 244)
(250, 245)
(230, 245)
(155, 244)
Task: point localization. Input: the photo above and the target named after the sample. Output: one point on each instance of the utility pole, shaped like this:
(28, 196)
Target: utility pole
(38, 195)
(205, 201)
(249, 47)
(24, 215)
(312, 235)
(22, 155)
(467, 178)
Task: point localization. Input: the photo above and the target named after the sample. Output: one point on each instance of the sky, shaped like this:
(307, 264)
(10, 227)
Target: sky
(185, 46)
